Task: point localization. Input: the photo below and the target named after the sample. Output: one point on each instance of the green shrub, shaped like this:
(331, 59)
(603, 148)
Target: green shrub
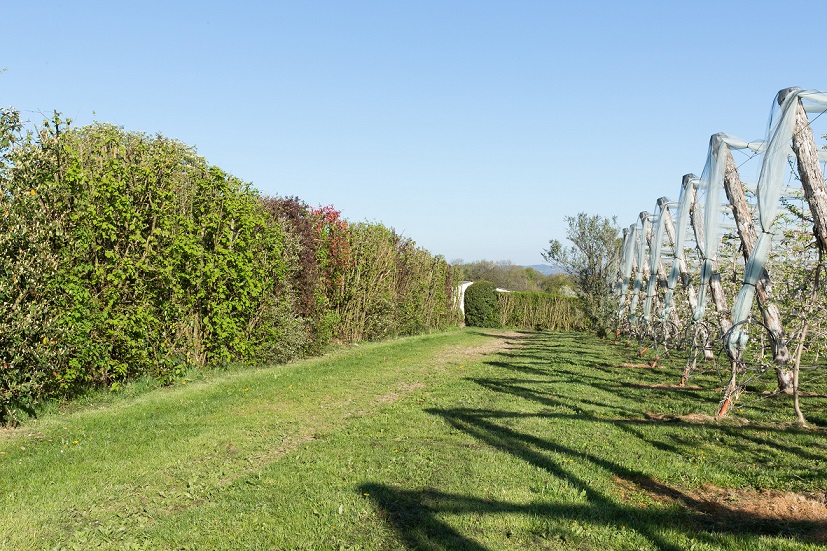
(123, 254)
(127, 255)
(481, 306)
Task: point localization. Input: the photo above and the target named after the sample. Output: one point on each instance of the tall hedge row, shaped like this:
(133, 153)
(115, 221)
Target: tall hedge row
(486, 307)
(125, 254)
(393, 287)
(541, 311)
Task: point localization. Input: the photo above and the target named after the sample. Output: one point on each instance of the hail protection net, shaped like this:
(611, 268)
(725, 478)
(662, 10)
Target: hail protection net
(654, 259)
(770, 185)
(707, 221)
(711, 184)
(640, 243)
(629, 244)
(618, 289)
(687, 196)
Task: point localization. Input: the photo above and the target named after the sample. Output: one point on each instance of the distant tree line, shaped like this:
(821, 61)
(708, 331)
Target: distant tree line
(124, 254)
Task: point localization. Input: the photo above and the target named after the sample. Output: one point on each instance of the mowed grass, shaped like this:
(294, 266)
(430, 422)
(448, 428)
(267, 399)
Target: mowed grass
(463, 440)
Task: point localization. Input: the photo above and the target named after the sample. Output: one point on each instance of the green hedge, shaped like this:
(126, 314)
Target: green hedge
(393, 287)
(124, 254)
(540, 311)
(481, 308)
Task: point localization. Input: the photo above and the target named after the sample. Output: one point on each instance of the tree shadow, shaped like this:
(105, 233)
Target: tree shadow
(541, 383)
(413, 516)
(692, 515)
(525, 389)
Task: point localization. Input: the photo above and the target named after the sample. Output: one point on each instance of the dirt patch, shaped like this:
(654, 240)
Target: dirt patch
(401, 390)
(697, 418)
(691, 418)
(669, 386)
(740, 510)
(504, 341)
(769, 504)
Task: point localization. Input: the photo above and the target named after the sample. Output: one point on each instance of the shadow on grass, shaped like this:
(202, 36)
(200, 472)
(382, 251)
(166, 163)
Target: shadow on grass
(416, 515)
(692, 516)
(419, 516)
(413, 516)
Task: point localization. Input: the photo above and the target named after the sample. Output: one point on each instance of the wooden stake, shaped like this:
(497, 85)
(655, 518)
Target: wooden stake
(746, 232)
(686, 281)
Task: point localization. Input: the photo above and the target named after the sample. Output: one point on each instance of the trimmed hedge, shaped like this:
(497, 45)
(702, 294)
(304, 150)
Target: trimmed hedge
(540, 311)
(124, 254)
(481, 307)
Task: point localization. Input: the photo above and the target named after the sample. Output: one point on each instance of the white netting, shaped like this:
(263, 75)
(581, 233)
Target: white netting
(770, 186)
(688, 183)
(654, 259)
(641, 262)
(628, 259)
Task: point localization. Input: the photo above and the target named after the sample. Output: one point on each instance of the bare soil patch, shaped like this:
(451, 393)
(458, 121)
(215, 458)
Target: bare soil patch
(504, 341)
(694, 418)
(401, 390)
(669, 386)
(699, 418)
(739, 509)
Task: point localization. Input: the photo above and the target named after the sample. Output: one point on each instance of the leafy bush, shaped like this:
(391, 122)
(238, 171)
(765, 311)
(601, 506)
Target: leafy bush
(124, 254)
(313, 290)
(481, 305)
(393, 287)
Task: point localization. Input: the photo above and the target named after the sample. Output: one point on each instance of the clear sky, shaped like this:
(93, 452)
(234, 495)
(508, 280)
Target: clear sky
(472, 127)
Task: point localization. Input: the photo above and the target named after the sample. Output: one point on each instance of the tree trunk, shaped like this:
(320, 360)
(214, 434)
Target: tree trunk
(746, 231)
(812, 179)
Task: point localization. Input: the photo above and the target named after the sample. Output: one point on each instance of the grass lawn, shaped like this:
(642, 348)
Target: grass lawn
(469, 439)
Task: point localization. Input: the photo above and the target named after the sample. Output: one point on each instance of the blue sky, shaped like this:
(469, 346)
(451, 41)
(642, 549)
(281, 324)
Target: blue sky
(472, 127)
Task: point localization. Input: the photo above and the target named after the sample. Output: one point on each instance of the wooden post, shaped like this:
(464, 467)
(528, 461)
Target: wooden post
(812, 180)
(686, 281)
(748, 235)
(715, 287)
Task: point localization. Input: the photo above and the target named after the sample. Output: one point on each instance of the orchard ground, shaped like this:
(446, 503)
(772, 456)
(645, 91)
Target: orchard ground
(468, 439)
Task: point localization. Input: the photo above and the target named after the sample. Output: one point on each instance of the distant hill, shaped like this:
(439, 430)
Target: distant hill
(545, 269)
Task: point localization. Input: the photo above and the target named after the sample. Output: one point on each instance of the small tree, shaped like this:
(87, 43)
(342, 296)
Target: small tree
(592, 263)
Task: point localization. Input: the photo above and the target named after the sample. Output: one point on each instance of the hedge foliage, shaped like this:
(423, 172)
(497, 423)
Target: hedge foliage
(481, 307)
(124, 254)
(541, 311)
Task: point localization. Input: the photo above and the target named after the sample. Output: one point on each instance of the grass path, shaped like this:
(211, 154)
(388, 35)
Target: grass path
(462, 440)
